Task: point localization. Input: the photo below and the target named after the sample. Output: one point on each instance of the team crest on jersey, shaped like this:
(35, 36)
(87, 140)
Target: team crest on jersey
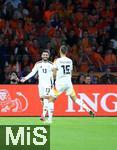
(8, 104)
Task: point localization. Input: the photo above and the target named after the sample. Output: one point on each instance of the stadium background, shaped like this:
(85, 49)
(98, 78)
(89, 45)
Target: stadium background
(89, 29)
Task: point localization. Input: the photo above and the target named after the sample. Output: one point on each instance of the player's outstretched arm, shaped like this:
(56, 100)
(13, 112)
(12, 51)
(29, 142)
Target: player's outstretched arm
(31, 74)
(23, 79)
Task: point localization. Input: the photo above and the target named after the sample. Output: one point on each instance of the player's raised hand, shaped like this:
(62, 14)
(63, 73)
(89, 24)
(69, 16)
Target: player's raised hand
(23, 79)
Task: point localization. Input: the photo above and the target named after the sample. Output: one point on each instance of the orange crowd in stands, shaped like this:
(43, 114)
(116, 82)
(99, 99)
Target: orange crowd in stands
(87, 27)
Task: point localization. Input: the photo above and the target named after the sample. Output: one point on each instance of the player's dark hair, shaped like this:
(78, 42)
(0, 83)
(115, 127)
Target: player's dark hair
(64, 49)
(46, 51)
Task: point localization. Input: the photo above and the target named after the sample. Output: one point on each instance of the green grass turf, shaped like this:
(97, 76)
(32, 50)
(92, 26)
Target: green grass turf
(76, 133)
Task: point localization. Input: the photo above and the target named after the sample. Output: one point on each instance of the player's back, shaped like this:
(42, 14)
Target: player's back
(64, 67)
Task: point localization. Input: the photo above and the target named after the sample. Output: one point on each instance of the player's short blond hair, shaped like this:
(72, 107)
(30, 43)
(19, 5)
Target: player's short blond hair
(64, 49)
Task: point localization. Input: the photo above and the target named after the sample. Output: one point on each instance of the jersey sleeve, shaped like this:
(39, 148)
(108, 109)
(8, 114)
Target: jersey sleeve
(32, 73)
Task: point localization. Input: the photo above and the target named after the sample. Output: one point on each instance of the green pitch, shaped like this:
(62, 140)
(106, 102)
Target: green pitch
(75, 133)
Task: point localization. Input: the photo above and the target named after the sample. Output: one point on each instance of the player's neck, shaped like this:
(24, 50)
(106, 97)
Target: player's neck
(63, 55)
(44, 61)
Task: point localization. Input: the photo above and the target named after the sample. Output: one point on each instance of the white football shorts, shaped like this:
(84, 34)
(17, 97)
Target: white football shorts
(62, 87)
(44, 90)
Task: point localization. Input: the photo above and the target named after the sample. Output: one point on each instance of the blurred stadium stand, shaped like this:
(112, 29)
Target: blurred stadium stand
(87, 27)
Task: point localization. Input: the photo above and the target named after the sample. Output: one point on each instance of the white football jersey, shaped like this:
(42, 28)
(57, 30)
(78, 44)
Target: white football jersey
(64, 66)
(44, 70)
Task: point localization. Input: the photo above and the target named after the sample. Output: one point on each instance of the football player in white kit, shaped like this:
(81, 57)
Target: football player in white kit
(45, 76)
(62, 72)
